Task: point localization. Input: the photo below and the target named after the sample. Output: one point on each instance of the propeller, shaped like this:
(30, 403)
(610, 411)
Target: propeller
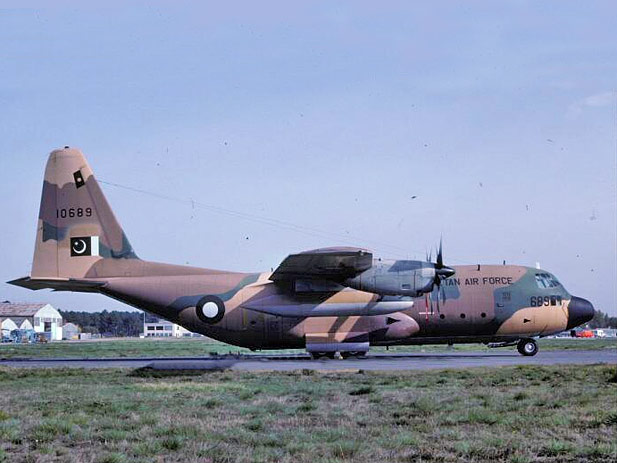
(441, 273)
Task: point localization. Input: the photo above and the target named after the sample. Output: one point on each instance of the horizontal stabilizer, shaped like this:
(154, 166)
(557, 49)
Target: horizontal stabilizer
(58, 284)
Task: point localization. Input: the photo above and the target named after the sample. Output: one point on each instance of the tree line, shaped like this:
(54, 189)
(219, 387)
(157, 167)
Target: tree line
(602, 320)
(106, 323)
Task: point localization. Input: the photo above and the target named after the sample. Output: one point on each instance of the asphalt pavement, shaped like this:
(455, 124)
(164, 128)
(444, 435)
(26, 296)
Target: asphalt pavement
(386, 362)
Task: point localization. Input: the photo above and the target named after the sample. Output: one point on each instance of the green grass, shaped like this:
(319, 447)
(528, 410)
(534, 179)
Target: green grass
(514, 414)
(129, 347)
(203, 346)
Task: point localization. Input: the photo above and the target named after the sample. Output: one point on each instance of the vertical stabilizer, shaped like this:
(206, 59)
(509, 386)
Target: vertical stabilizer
(77, 229)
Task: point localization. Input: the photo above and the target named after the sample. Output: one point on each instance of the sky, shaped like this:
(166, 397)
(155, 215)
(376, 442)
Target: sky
(241, 132)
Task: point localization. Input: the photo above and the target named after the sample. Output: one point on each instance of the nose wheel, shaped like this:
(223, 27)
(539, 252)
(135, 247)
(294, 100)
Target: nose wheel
(527, 347)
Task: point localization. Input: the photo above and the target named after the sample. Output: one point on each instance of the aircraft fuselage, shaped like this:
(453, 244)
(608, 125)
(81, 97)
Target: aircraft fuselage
(484, 303)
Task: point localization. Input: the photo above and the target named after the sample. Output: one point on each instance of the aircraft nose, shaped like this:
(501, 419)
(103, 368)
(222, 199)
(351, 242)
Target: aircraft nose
(579, 311)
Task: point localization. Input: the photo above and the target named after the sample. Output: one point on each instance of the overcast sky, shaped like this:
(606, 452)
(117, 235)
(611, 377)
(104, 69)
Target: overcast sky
(382, 124)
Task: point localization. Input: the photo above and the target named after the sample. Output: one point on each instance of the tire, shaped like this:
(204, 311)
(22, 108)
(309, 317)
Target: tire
(527, 347)
(353, 354)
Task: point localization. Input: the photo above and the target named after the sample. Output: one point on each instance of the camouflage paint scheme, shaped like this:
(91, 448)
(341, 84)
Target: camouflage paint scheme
(483, 303)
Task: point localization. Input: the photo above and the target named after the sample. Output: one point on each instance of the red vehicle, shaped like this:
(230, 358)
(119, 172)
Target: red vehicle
(582, 334)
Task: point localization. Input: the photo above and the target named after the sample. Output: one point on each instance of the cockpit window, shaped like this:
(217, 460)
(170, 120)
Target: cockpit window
(541, 281)
(544, 280)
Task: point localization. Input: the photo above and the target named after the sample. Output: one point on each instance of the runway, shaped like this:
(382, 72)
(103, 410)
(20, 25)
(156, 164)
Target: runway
(376, 362)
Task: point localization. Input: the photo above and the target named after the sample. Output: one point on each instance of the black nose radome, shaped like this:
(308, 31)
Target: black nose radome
(579, 311)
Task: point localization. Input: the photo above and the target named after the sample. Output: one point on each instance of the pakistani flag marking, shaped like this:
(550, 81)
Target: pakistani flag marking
(84, 246)
(79, 179)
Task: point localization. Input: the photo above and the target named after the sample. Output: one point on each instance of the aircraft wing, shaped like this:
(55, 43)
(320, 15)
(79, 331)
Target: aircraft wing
(335, 264)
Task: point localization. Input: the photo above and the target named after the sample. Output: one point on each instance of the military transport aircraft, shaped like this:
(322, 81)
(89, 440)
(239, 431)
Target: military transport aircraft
(325, 301)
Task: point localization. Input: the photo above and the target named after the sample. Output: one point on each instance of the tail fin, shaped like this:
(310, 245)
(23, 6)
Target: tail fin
(78, 235)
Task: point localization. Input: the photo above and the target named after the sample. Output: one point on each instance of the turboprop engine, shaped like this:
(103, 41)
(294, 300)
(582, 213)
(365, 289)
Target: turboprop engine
(356, 268)
(402, 277)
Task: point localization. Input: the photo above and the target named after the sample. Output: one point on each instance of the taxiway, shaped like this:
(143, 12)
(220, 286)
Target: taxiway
(272, 362)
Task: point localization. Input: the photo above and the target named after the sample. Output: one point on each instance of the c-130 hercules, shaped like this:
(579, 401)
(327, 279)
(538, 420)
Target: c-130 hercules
(325, 300)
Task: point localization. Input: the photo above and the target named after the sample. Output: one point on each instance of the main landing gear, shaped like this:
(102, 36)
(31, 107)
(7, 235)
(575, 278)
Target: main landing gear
(353, 355)
(527, 347)
(332, 349)
(332, 355)
(322, 355)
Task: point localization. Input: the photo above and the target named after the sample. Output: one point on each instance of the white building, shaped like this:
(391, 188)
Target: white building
(70, 331)
(42, 318)
(166, 329)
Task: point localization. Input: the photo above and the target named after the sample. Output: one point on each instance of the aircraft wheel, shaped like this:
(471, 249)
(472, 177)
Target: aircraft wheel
(527, 347)
(322, 355)
(353, 354)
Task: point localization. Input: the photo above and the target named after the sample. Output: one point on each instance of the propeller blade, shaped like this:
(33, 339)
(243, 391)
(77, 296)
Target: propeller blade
(440, 254)
(441, 271)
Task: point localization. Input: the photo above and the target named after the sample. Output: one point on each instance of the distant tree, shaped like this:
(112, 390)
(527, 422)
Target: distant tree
(602, 320)
(89, 329)
(114, 323)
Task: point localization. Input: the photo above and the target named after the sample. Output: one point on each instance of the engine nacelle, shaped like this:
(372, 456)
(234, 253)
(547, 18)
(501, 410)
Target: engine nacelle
(396, 278)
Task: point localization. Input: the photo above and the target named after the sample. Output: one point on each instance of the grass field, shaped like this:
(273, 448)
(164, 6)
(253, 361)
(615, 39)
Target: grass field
(517, 414)
(203, 346)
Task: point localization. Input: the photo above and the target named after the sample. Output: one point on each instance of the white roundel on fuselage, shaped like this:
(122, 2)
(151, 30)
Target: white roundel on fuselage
(210, 309)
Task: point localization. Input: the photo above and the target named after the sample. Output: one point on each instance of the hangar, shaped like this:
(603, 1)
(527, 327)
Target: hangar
(42, 318)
